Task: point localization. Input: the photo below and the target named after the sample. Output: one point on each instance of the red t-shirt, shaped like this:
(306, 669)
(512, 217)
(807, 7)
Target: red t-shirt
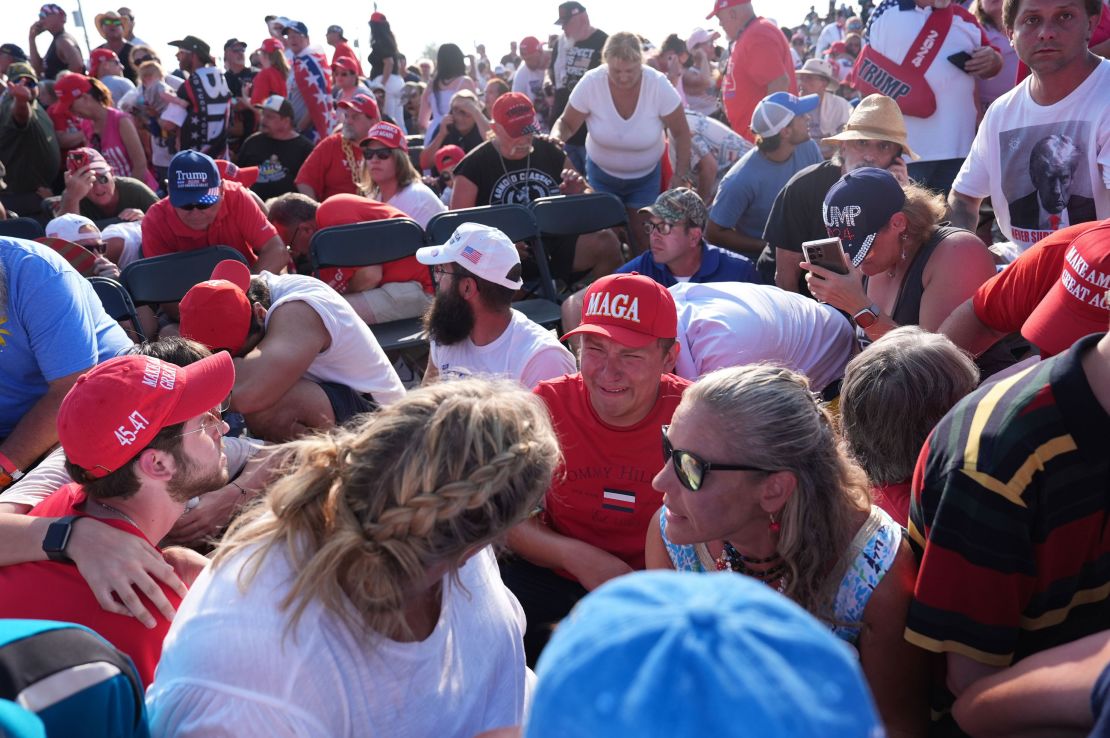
(51, 590)
(1005, 301)
(240, 224)
(326, 170)
(344, 49)
(759, 56)
(603, 494)
(267, 82)
(66, 122)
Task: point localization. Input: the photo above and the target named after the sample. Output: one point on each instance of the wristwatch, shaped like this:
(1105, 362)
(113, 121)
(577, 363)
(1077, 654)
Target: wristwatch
(57, 536)
(867, 317)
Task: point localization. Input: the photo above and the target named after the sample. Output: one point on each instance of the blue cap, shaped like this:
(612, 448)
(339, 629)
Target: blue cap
(193, 179)
(663, 653)
(297, 26)
(858, 206)
(774, 112)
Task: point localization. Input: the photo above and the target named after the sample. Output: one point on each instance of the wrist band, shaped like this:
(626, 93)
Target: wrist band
(7, 465)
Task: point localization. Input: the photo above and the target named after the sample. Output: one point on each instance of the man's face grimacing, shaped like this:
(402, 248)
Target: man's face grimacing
(623, 381)
(857, 154)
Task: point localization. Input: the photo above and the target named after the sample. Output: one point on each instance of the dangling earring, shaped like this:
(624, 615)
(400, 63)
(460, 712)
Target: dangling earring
(774, 527)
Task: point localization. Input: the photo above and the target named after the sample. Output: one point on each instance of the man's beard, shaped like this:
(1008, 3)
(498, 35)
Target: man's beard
(190, 481)
(450, 318)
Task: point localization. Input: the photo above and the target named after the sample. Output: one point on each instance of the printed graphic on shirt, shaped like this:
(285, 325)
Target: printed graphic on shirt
(1045, 178)
(578, 63)
(523, 186)
(272, 170)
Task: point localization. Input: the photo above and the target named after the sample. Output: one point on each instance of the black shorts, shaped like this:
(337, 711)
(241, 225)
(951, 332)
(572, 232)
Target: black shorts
(345, 402)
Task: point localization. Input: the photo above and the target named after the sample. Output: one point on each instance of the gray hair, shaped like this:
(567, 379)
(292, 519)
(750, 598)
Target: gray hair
(894, 393)
(623, 46)
(771, 420)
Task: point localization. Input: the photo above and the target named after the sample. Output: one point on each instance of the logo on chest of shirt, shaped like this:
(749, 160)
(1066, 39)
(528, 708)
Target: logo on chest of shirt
(522, 187)
(621, 500)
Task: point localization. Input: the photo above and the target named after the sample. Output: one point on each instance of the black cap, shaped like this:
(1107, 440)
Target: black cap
(568, 10)
(195, 45)
(16, 53)
(232, 42)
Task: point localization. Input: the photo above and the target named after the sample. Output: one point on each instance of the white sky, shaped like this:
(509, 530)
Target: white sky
(415, 23)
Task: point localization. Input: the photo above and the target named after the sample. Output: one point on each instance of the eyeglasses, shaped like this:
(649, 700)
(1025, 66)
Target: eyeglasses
(691, 469)
(197, 206)
(440, 270)
(382, 154)
(213, 417)
(662, 226)
(97, 247)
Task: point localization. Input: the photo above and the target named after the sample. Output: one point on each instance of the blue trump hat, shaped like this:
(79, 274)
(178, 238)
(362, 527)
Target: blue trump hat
(663, 653)
(193, 179)
(775, 111)
(858, 206)
(294, 25)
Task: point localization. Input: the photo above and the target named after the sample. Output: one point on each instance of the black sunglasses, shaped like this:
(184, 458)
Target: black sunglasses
(101, 178)
(197, 206)
(691, 469)
(97, 247)
(382, 154)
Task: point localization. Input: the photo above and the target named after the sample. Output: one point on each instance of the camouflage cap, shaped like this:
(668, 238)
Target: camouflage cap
(19, 70)
(679, 205)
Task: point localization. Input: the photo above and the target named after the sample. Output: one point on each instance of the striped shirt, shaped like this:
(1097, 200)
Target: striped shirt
(1009, 514)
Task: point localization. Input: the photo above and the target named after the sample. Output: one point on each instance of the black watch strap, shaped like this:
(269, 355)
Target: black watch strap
(57, 538)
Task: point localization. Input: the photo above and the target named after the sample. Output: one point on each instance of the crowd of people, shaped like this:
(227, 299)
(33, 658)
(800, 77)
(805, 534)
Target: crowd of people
(843, 376)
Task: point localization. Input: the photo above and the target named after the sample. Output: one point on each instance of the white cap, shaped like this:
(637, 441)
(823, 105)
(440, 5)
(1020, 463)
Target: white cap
(72, 227)
(701, 36)
(483, 251)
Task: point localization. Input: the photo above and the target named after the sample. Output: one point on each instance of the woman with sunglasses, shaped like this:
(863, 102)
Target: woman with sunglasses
(393, 178)
(347, 84)
(755, 482)
(93, 190)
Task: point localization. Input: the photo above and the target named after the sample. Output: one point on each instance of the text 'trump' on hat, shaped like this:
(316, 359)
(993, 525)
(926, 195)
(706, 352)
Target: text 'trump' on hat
(631, 309)
(482, 250)
(115, 410)
(193, 179)
(858, 206)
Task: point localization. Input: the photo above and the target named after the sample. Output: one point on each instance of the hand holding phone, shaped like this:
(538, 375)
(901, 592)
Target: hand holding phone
(960, 60)
(827, 253)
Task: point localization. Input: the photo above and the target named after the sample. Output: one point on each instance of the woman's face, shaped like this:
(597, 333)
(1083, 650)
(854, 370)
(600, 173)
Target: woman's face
(380, 169)
(727, 505)
(346, 79)
(625, 75)
(885, 252)
(464, 121)
(264, 60)
(84, 106)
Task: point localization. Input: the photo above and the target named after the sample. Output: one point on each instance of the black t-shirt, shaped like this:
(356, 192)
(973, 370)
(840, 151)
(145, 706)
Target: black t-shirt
(235, 80)
(582, 58)
(278, 162)
(507, 181)
(467, 142)
(796, 216)
(133, 193)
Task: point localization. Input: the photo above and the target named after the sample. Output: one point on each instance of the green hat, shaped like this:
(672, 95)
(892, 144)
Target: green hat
(18, 70)
(679, 205)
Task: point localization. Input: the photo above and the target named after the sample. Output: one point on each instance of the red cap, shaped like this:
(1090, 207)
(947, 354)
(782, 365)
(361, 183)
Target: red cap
(836, 47)
(217, 312)
(96, 56)
(345, 209)
(448, 156)
(84, 156)
(530, 45)
(1077, 304)
(245, 176)
(114, 411)
(631, 309)
(272, 44)
(377, 17)
(345, 62)
(363, 103)
(514, 112)
(720, 5)
(69, 88)
(386, 134)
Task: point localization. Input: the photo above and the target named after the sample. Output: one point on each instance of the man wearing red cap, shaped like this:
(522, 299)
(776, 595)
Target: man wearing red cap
(514, 167)
(529, 78)
(107, 67)
(141, 437)
(304, 359)
(1009, 501)
(607, 417)
(334, 167)
(760, 62)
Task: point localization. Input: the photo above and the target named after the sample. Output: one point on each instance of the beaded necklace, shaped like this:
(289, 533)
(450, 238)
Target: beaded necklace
(732, 560)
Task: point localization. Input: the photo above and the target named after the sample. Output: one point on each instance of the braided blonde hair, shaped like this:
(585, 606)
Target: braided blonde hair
(364, 513)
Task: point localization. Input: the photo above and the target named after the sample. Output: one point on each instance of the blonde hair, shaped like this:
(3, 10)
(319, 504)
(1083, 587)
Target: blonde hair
(277, 59)
(623, 46)
(924, 210)
(364, 513)
(771, 420)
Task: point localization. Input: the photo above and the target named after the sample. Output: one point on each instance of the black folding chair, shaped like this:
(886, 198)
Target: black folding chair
(28, 228)
(573, 215)
(117, 303)
(368, 244)
(515, 221)
(167, 278)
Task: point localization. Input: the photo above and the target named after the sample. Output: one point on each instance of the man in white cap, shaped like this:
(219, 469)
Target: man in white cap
(739, 213)
(80, 230)
(814, 78)
(473, 327)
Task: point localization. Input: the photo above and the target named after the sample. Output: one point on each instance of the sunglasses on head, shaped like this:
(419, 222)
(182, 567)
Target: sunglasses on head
(691, 469)
(197, 206)
(382, 154)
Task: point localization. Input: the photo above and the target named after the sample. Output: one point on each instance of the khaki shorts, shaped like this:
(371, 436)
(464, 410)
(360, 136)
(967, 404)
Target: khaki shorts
(391, 301)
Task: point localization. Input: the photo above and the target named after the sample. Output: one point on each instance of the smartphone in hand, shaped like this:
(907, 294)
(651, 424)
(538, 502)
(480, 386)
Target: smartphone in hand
(960, 60)
(827, 253)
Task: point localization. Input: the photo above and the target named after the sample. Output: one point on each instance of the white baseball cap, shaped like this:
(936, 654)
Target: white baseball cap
(483, 251)
(72, 227)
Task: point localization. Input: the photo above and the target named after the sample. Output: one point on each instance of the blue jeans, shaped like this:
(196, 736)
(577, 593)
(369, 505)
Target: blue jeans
(634, 193)
(936, 175)
(577, 156)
